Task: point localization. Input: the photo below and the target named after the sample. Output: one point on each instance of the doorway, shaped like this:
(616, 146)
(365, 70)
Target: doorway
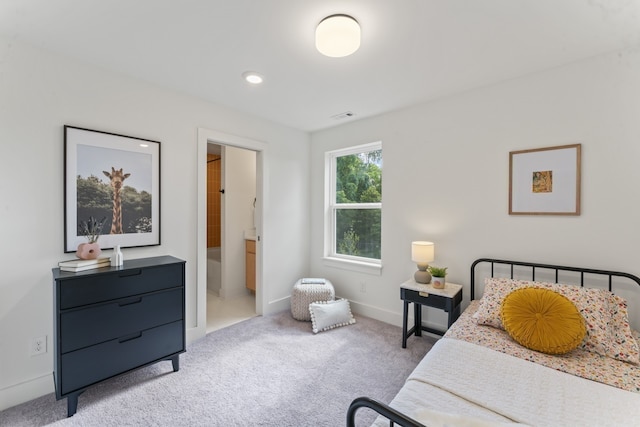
(231, 232)
(199, 298)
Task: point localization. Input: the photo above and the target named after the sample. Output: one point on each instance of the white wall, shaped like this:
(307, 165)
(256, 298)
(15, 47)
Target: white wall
(445, 179)
(39, 93)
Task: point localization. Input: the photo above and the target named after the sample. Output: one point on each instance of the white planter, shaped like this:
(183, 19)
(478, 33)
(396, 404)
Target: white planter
(438, 282)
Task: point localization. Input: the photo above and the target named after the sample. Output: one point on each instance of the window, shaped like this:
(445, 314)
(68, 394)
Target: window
(354, 204)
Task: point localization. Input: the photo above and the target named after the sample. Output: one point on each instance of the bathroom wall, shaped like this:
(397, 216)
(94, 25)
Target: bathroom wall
(240, 191)
(214, 184)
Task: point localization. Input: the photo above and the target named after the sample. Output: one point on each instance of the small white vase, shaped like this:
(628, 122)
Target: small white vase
(116, 258)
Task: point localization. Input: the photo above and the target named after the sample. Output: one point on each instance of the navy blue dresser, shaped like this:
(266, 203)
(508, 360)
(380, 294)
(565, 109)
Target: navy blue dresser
(112, 320)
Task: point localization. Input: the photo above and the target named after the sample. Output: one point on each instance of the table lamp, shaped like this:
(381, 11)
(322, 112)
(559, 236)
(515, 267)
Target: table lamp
(422, 253)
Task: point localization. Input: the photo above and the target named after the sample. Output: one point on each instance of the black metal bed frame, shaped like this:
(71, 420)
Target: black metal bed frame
(557, 268)
(396, 417)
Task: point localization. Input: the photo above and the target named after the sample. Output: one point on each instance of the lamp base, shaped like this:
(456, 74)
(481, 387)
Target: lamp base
(422, 276)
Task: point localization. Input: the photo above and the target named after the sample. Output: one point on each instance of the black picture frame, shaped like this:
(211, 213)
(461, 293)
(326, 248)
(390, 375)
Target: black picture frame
(97, 166)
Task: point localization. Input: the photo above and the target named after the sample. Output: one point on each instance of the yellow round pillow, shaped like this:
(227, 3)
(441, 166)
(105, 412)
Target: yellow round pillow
(542, 320)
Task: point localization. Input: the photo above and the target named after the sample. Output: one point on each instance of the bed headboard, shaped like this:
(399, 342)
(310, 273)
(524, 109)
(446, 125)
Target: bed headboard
(527, 271)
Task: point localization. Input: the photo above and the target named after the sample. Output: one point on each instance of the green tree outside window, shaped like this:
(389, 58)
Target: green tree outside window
(359, 186)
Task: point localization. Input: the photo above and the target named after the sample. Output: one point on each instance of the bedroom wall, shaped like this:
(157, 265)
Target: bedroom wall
(40, 92)
(445, 179)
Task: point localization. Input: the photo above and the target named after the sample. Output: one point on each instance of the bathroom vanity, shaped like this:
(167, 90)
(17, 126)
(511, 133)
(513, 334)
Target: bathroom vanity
(250, 264)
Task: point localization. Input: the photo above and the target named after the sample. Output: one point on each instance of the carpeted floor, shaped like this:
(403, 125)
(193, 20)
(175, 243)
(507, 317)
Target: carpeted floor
(266, 371)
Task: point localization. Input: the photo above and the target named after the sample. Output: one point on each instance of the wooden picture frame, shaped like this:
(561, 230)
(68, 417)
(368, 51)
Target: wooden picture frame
(115, 178)
(545, 181)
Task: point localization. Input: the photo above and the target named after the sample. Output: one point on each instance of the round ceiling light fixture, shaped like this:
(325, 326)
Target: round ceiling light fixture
(253, 77)
(338, 36)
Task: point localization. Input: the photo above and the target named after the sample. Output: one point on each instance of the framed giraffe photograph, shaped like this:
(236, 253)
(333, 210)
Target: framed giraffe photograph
(113, 182)
(545, 181)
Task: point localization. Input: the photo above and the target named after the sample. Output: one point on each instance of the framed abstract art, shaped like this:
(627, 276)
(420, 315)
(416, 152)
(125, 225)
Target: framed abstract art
(545, 181)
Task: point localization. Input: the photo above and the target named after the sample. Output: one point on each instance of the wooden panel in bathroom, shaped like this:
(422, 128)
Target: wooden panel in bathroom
(250, 263)
(214, 184)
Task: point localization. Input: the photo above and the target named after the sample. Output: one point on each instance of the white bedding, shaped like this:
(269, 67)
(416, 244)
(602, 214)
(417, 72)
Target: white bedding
(463, 378)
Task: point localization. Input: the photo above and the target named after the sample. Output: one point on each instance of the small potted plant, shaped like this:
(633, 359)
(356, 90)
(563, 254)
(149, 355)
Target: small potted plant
(91, 230)
(438, 274)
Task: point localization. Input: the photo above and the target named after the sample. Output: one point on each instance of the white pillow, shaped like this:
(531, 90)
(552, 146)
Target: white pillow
(327, 315)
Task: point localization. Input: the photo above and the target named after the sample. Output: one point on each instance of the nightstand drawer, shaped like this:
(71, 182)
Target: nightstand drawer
(103, 322)
(111, 285)
(92, 364)
(431, 300)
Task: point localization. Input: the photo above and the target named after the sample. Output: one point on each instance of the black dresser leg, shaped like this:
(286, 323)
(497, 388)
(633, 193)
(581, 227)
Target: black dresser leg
(72, 404)
(175, 361)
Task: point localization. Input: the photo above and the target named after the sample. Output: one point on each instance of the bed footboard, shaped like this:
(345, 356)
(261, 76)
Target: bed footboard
(386, 411)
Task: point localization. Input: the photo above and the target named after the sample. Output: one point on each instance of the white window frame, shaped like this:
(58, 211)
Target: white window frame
(331, 257)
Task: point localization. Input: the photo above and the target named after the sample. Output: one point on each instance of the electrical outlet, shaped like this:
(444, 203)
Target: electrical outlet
(363, 287)
(38, 346)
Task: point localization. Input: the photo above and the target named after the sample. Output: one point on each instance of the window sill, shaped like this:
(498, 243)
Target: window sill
(359, 266)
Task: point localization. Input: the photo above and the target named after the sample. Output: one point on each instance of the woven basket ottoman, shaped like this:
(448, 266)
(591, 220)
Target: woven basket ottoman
(304, 294)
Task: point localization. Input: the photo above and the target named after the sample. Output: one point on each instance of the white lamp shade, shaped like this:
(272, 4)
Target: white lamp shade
(422, 252)
(338, 36)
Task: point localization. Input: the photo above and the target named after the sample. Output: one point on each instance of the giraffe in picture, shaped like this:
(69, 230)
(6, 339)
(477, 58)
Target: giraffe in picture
(117, 178)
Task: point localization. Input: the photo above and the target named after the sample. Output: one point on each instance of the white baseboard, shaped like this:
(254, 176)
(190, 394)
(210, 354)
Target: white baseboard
(377, 313)
(25, 391)
(233, 293)
(391, 317)
(278, 305)
(194, 334)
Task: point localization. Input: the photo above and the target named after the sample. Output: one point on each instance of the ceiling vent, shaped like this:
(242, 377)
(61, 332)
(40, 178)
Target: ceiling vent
(344, 115)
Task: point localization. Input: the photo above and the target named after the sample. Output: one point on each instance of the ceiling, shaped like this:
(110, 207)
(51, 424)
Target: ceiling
(412, 51)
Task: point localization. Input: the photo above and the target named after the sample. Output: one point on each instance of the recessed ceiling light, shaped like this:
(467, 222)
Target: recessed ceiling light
(253, 77)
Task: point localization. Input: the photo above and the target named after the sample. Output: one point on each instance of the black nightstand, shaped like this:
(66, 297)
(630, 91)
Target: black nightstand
(448, 299)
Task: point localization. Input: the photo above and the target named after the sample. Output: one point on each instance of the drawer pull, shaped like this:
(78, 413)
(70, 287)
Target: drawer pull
(130, 302)
(131, 273)
(130, 337)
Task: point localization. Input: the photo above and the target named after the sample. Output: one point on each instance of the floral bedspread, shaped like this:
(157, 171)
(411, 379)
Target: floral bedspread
(578, 362)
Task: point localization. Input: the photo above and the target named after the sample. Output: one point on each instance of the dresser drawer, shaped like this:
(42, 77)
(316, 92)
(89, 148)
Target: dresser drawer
(103, 322)
(92, 364)
(84, 290)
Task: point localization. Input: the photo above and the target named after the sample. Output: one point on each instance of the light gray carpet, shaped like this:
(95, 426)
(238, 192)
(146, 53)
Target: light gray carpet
(266, 371)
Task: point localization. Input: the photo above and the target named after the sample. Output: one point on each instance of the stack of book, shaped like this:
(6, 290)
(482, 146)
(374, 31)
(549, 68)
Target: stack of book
(76, 265)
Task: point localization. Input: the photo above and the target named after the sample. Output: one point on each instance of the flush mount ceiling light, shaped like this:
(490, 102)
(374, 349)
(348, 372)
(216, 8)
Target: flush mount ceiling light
(338, 36)
(252, 77)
